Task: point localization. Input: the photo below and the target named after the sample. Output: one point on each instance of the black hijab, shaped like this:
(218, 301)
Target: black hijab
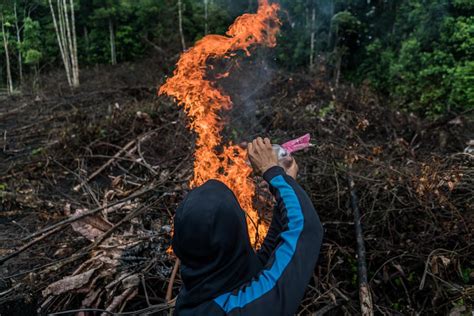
(211, 240)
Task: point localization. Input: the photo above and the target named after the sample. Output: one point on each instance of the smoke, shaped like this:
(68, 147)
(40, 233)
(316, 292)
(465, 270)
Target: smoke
(249, 78)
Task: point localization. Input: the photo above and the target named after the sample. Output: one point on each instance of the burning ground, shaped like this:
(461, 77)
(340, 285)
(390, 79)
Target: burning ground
(123, 156)
(414, 183)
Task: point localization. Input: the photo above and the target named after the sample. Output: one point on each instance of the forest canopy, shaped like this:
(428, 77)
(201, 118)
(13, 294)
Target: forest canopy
(417, 54)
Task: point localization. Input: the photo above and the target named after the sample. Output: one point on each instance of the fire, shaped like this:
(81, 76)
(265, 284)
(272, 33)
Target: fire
(202, 101)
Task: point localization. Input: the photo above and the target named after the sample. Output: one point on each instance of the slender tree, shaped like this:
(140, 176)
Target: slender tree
(60, 40)
(18, 39)
(66, 37)
(107, 15)
(180, 23)
(71, 39)
(312, 37)
(7, 57)
(206, 16)
(31, 48)
(113, 53)
(74, 44)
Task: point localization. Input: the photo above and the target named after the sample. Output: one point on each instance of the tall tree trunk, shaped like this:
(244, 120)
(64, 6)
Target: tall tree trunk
(66, 36)
(62, 29)
(180, 22)
(74, 45)
(70, 33)
(312, 37)
(113, 56)
(7, 60)
(337, 76)
(87, 41)
(36, 78)
(60, 38)
(206, 16)
(18, 39)
(331, 15)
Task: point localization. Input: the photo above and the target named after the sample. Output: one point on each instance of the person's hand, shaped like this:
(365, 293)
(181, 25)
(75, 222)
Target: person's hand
(292, 168)
(261, 155)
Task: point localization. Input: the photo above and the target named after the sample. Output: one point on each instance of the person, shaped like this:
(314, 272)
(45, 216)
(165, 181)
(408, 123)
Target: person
(221, 273)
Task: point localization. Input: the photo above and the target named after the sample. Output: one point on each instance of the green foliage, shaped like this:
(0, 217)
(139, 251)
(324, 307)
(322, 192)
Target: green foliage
(464, 5)
(31, 44)
(377, 65)
(33, 57)
(37, 151)
(417, 54)
(324, 111)
(430, 70)
(345, 25)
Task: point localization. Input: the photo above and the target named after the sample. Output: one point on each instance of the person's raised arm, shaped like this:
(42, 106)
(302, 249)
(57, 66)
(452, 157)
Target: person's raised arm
(278, 288)
(276, 227)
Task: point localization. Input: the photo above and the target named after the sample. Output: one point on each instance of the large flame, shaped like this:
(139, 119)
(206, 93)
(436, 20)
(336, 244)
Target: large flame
(203, 101)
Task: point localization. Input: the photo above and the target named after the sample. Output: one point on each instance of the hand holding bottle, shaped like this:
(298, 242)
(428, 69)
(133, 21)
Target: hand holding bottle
(263, 155)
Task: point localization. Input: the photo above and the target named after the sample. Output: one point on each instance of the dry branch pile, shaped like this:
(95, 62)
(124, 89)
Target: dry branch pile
(91, 180)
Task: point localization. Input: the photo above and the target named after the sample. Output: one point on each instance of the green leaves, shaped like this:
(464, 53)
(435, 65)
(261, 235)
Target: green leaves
(31, 46)
(463, 4)
(33, 57)
(418, 53)
(426, 64)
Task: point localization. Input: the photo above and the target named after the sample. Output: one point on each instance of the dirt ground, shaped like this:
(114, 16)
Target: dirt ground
(115, 150)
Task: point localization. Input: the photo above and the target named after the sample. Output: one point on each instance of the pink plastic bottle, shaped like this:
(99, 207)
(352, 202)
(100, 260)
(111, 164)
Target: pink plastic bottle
(284, 151)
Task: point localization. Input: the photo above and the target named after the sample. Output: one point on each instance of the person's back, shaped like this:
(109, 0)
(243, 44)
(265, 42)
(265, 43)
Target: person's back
(221, 273)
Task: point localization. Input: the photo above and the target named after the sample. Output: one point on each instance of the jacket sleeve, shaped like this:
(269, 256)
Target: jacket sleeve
(271, 239)
(279, 287)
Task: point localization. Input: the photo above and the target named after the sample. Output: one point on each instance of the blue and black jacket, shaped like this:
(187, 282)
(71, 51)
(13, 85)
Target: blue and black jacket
(222, 274)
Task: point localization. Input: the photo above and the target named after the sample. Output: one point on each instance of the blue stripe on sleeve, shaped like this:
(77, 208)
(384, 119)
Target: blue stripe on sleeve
(283, 254)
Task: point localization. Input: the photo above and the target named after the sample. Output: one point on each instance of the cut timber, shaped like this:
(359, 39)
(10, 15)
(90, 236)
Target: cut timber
(365, 297)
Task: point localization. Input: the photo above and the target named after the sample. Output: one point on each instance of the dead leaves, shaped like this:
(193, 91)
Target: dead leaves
(108, 279)
(90, 227)
(433, 181)
(362, 124)
(94, 226)
(69, 283)
(438, 262)
(130, 290)
(377, 150)
(99, 277)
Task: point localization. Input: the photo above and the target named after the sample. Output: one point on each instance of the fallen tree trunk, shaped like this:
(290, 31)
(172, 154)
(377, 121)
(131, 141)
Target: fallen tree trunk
(365, 297)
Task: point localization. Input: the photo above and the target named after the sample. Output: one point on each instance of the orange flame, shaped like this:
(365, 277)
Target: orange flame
(203, 101)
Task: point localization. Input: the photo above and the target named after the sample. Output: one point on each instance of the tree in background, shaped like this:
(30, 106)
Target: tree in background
(107, 14)
(345, 32)
(18, 30)
(425, 63)
(31, 49)
(5, 37)
(180, 24)
(65, 28)
(417, 54)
